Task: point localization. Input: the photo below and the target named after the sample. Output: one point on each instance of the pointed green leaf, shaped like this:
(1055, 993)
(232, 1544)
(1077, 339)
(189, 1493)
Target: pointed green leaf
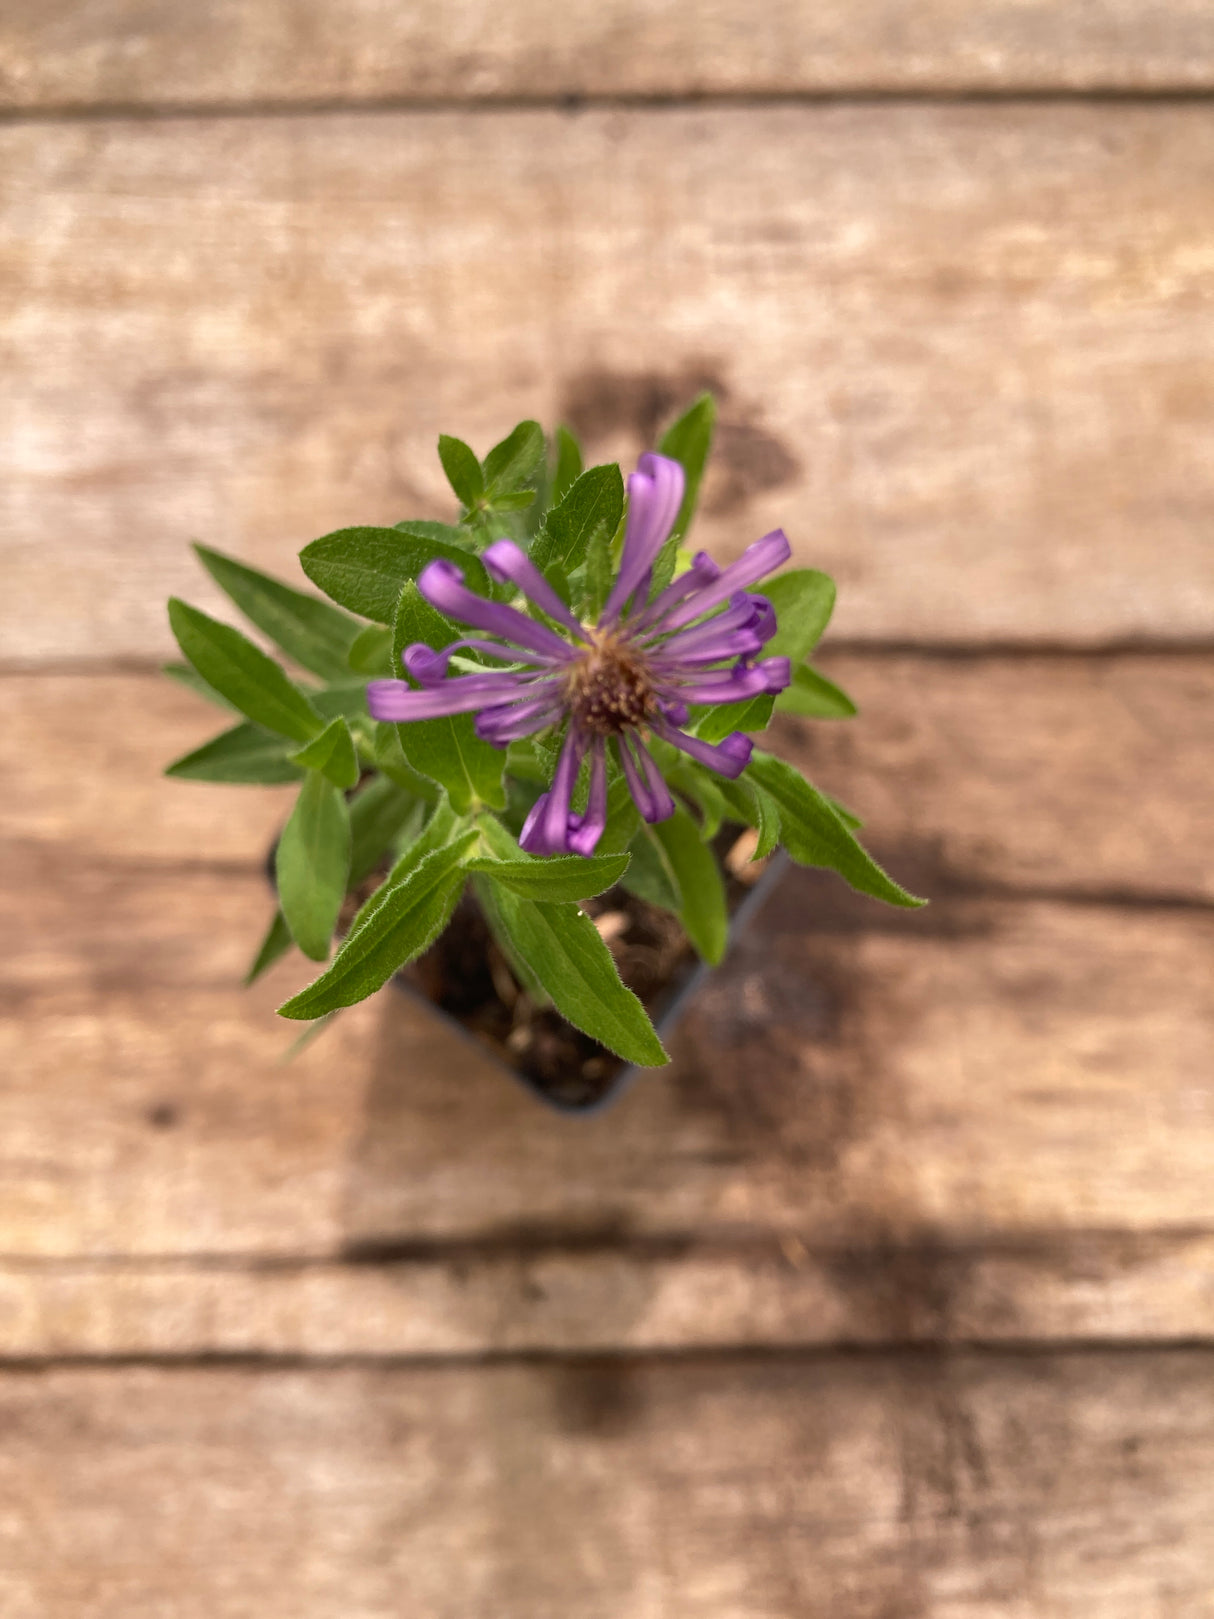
(276, 943)
(365, 568)
(510, 463)
(443, 829)
(380, 813)
(423, 528)
(313, 863)
(563, 877)
(246, 754)
(317, 635)
(517, 501)
(701, 890)
(689, 442)
(560, 945)
(390, 758)
(592, 506)
(769, 825)
(804, 600)
(462, 468)
(407, 919)
(242, 673)
(649, 875)
(333, 753)
(815, 835)
(568, 464)
(183, 675)
(446, 749)
(701, 786)
(814, 697)
(371, 653)
(623, 818)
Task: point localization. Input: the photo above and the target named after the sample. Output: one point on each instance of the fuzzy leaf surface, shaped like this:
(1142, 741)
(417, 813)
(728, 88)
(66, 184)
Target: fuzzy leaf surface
(312, 864)
(561, 877)
(241, 672)
(247, 754)
(701, 890)
(365, 569)
(317, 635)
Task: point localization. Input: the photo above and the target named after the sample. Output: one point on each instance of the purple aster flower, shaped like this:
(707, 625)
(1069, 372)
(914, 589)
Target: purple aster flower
(631, 675)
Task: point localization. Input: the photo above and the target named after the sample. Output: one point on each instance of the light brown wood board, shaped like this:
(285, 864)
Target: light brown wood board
(915, 1487)
(157, 53)
(990, 1120)
(963, 351)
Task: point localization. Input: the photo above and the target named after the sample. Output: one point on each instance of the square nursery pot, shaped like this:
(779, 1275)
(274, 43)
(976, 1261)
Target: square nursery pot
(466, 981)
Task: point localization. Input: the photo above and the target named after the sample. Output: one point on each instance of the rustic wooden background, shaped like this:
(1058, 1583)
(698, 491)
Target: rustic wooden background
(894, 1297)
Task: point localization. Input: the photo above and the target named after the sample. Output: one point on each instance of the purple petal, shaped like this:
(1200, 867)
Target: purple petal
(506, 561)
(649, 791)
(778, 672)
(771, 552)
(507, 722)
(731, 686)
(655, 493)
(586, 830)
(395, 700)
(766, 622)
(442, 584)
(727, 758)
(702, 572)
(429, 668)
(548, 831)
(742, 613)
(710, 649)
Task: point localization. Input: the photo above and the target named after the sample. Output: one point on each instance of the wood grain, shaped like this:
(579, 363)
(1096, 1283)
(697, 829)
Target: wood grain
(919, 1487)
(964, 350)
(283, 51)
(533, 1296)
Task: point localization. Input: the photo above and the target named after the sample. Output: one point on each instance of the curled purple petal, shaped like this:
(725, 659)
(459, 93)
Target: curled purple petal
(702, 572)
(655, 493)
(778, 672)
(429, 667)
(587, 829)
(707, 649)
(649, 791)
(727, 758)
(765, 623)
(741, 613)
(730, 686)
(396, 700)
(765, 555)
(442, 584)
(506, 561)
(548, 832)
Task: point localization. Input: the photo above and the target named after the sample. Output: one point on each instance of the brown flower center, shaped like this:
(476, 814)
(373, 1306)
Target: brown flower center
(610, 689)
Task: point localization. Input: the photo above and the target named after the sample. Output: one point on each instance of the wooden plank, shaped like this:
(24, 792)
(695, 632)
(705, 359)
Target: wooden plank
(1050, 774)
(547, 1297)
(964, 349)
(851, 1078)
(926, 1487)
(111, 52)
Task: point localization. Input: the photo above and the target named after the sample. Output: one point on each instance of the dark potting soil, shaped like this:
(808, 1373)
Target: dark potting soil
(466, 975)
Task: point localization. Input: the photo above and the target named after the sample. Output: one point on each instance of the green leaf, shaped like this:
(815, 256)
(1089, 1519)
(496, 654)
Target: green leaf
(649, 876)
(242, 673)
(183, 675)
(276, 943)
(562, 877)
(768, 824)
(517, 501)
(313, 863)
(560, 946)
(596, 574)
(814, 697)
(568, 464)
(407, 919)
(390, 758)
(371, 652)
(623, 818)
(462, 468)
(688, 442)
(804, 600)
(700, 785)
(701, 890)
(423, 528)
(591, 507)
(379, 813)
(317, 635)
(443, 828)
(333, 753)
(446, 749)
(510, 463)
(815, 835)
(246, 754)
(365, 569)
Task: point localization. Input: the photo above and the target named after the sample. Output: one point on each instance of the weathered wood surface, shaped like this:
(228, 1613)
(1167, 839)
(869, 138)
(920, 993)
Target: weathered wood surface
(910, 1488)
(964, 350)
(998, 1069)
(158, 53)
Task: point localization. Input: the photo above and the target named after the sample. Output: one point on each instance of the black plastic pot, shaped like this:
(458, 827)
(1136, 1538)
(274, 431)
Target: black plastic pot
(666, 1010)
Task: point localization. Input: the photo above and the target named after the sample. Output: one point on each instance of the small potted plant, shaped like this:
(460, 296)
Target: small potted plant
(527, 780)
